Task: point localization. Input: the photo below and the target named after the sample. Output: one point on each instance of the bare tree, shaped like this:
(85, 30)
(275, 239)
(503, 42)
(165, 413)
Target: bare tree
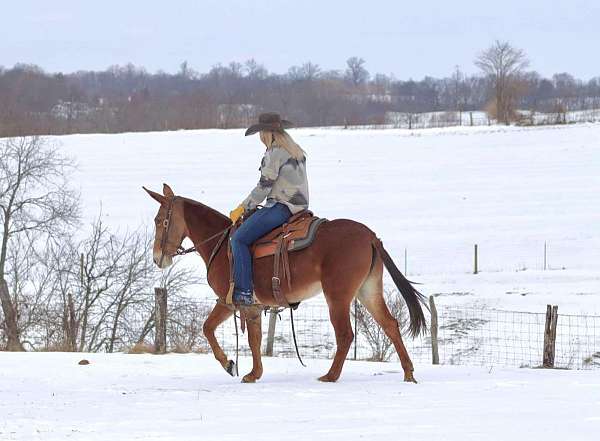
(381, 345)
(255, 70)
(31, 286)
(356, 72)
(102, 289)
(503, 64)
(307, 72)
(34, 198)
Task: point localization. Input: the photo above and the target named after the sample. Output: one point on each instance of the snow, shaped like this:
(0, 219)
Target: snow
(48, 396)
(434, 193)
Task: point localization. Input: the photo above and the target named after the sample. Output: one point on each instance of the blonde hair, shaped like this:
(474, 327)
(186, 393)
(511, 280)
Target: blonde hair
(284, 140)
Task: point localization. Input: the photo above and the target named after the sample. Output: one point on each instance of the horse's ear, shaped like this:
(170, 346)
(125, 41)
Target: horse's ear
(156, 196)
(167, 191)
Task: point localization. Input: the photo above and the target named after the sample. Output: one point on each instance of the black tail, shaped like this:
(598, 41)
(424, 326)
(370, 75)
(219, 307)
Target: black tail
(412, 297)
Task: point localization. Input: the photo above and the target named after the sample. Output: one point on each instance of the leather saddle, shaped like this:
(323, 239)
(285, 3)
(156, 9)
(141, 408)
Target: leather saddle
(296, 234)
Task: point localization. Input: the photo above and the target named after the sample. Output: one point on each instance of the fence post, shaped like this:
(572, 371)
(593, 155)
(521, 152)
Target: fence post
(471, 118)
(271, 333)
(410, 121)
(550, 336)
(475, 261)
(435, 357)
(160, 320)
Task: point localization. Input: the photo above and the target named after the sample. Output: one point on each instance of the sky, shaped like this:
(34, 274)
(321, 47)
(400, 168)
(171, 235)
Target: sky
(406, 39)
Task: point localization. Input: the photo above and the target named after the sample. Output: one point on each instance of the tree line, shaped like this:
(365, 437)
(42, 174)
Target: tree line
(128, 98)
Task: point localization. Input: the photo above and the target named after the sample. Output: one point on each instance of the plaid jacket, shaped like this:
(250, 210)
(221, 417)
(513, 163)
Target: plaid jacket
(282, 179)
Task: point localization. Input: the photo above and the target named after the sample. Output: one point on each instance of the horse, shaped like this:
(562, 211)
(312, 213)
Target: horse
(345, 261)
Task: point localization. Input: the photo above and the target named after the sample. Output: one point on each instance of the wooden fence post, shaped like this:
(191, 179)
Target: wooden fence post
(471, 118)
(160, 320)
(475, 261)
(271, 333)
(435, 357)
(550, 336)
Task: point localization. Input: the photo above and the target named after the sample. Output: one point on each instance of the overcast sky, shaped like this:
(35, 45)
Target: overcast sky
(408, 39)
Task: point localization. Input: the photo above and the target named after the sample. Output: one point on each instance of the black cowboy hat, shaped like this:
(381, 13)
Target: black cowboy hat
(269, 121)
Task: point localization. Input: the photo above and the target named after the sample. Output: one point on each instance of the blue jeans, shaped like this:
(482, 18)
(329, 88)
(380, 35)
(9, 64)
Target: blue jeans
(257, 225)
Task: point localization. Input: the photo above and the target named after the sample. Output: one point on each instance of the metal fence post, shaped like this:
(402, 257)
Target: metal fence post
(475, 262)
(271, 332)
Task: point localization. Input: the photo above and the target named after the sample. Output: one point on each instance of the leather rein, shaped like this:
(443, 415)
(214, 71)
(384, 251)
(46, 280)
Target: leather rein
(182, 251)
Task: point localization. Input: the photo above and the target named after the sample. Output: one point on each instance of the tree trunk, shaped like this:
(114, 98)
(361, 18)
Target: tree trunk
(10, 319)
(70, 325)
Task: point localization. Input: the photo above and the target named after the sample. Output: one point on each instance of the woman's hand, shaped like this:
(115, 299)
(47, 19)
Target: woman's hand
(236, 213)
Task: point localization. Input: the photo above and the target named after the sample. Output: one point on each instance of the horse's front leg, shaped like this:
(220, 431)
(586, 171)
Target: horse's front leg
(254, 325)
(218, 315)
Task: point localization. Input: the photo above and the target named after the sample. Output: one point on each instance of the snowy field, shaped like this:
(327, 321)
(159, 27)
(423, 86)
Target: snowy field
(434, 193)
(188, 397)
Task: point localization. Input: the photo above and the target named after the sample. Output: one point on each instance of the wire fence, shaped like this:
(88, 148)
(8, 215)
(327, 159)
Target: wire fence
(452, 118)
(466, 336)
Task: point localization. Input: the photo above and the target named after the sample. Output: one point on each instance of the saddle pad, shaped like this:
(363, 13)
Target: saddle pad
(300, 234)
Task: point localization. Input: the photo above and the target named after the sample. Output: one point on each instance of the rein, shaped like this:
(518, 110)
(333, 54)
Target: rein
(183, 251)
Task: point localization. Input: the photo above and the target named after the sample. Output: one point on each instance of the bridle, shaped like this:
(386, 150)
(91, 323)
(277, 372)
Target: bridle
(166, 228)
(180, 250)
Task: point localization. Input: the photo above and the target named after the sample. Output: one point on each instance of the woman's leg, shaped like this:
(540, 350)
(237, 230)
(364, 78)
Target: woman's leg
(257, 225)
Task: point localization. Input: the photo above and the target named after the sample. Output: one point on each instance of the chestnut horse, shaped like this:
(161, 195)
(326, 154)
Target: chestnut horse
(345, 261)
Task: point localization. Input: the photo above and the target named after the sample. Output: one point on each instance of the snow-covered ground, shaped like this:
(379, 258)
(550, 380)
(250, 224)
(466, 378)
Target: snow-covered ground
(434, 193)
(48, 396)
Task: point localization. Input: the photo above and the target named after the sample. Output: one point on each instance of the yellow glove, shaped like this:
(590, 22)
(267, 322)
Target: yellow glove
(236, 213)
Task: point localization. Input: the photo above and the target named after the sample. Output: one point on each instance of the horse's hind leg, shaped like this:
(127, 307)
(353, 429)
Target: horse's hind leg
(370, 295)
(343, 273)
(253, 323)
(218, 315)
(339, 314)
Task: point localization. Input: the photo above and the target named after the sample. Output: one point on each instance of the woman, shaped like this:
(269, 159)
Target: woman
(283, 183)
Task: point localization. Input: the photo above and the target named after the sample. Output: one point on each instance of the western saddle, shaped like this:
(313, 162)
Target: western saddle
(296, 234)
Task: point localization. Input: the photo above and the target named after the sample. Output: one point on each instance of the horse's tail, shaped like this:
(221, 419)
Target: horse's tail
(412, 297)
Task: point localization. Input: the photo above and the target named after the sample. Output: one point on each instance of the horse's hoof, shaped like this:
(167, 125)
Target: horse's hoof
(231, 368)
(327, 379)
(249, 379)
(409, 378)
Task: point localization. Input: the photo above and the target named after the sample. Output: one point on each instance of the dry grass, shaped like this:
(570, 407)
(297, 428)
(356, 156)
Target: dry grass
(142, 348)
(57, 347)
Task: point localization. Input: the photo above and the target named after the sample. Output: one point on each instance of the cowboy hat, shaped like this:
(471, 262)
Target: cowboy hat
(269, 121)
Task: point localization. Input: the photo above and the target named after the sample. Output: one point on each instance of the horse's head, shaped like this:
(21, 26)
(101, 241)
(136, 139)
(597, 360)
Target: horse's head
(170, 226)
